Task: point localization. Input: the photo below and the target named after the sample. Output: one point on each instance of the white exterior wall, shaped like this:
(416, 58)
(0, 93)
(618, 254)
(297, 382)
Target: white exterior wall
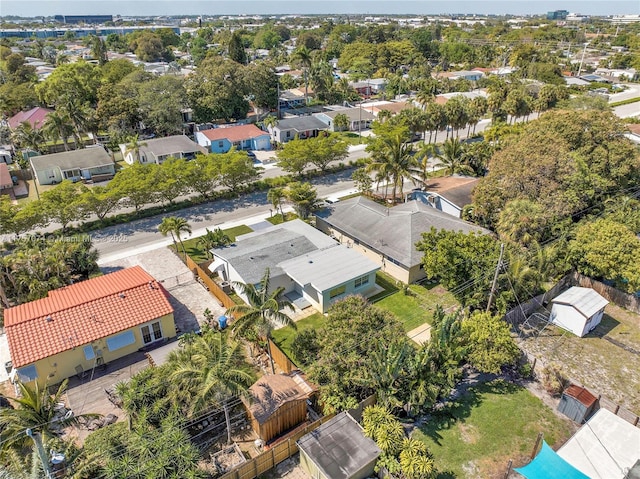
(349, 289)
(569, 318)
(203, 140)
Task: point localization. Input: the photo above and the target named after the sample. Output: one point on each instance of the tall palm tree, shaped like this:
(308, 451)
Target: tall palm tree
(35, 409)
(263, 310)
(58, 126)
(391, 156)
(420, 171)
(175, 226)
(134, 147)
(276, 196)
(269, 122)
(209, 371)
(451, 157)
(303, 55)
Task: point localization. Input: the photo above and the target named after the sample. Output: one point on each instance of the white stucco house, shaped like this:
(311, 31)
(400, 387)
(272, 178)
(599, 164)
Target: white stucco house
(313, 268)
(578, 310)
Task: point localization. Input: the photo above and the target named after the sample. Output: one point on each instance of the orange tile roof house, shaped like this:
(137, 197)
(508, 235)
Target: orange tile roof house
(243, 137)
(87, 324)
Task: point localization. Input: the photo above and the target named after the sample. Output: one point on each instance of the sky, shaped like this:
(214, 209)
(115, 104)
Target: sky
(31, 8)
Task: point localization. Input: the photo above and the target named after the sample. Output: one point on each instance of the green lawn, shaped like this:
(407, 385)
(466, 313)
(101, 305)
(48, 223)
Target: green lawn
(492, 423)
(283, 337)
(414, 309)
(277, 219)
(195, 250)
(350, 137)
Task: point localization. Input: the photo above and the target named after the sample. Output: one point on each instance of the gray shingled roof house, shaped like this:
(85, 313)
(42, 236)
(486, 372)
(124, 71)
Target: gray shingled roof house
(302, 126)
(338, 449)
(88, 164)
(158, 150)
(388, 235)
(314, 269)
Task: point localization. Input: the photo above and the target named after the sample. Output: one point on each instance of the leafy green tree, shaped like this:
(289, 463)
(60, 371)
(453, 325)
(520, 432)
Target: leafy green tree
(100, 200)
(236, 49)
(210, 371)
(15, 97)
(118, 109)
(63, 204)
(175, 226)
(262, 85)
(202, 174)
(456, 259)
(78, 81)
(99, 50)
(236, 169)
(217, 90)
(116, 70)
(489, 343)
(293, 158)
(263, 310)
(362, 180)
(161, 101)
(604, 249)
(135, 185)
(341, 122)
(304, 198)
(387, 367)
(170, 181)
(147, 46)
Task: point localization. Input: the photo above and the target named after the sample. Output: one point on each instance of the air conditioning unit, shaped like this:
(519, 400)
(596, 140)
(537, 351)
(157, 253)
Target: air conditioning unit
(226, 286)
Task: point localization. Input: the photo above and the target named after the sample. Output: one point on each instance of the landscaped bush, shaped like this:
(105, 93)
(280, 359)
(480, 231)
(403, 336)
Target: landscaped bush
(553, 379)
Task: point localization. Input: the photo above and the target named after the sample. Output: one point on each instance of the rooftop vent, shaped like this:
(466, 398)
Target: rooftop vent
(49, 319)
(122, 295)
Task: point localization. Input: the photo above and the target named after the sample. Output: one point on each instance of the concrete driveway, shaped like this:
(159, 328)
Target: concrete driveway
(187, 296)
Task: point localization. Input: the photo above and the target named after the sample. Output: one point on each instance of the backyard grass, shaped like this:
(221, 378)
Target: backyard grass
(199, 255)
(490, 424)
(415, 308)
(278, 219)
(283, 337)
(606, 361)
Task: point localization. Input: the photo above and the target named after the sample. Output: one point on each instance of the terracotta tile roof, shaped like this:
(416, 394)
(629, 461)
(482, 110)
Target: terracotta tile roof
(82, 313)
(5, 177)
(234, 133)
(36, 117)
(634, 128)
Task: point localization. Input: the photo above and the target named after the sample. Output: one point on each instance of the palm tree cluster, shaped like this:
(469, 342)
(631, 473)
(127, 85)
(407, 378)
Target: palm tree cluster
(36, 265)
(175, 226)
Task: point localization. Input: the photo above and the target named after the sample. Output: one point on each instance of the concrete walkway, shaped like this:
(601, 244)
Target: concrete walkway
(421, 334)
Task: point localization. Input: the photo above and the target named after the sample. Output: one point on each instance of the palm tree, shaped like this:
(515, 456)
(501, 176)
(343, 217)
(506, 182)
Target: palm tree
(27, 136)
(133, 147)
(303, 55)
(58, 126)
(341, 122)
(35, 409)
(276, 196)
(270, 122)
(451, 157)
(210, 370)
(263, 310)
(213, 239)
(175, 226)
(420, 171)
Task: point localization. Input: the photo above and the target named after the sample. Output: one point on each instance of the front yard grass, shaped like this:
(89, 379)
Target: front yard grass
(284, 337)
(417, 307)
(490, 424)
(199, 255)
(278, 219)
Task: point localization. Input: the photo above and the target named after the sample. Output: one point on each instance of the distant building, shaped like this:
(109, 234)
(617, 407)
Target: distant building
(74, 19)
(557, 15)
(623, 19)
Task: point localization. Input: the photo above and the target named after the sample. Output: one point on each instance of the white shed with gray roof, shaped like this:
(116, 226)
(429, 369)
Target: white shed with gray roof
(578, 310)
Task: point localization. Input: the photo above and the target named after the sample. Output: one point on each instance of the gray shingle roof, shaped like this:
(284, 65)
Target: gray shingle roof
(587, 301)
(391, 231)
(354, 114)
(339, 448)
(84, 158)
(171, 145)
(329, 267)
(301, 123)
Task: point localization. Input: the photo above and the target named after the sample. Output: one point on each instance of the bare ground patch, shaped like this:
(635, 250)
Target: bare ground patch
(605, 361)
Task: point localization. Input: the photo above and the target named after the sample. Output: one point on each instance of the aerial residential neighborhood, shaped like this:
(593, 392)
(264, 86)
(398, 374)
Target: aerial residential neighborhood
(345, 240)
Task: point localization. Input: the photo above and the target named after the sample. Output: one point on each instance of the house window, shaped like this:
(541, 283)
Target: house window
(151, 332)
(89, 354)
(363, 280)
(120, 341)
(337, 291)
(28, 373)
(71, 174)
(288, 134)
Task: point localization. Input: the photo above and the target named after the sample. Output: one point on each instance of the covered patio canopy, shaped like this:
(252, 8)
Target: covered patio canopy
(548, 465)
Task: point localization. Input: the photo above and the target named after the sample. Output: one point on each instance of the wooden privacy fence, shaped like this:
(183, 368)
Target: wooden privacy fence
(209, 283)
(281, 359)
(275, 455)
(613, 294)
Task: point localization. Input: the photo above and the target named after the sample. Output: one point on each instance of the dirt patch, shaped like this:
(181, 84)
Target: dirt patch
(468, 433)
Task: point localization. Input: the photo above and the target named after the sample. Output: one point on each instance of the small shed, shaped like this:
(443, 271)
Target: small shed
(577, 403)
(578, 310)
(277, 404)
(338, 450)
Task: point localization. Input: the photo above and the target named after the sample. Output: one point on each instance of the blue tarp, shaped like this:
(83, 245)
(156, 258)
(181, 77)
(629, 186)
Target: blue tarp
(548, 465)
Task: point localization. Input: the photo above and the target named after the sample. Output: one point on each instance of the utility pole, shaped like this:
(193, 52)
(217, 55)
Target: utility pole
(584, 51)
(495, 278)
(41, 453)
